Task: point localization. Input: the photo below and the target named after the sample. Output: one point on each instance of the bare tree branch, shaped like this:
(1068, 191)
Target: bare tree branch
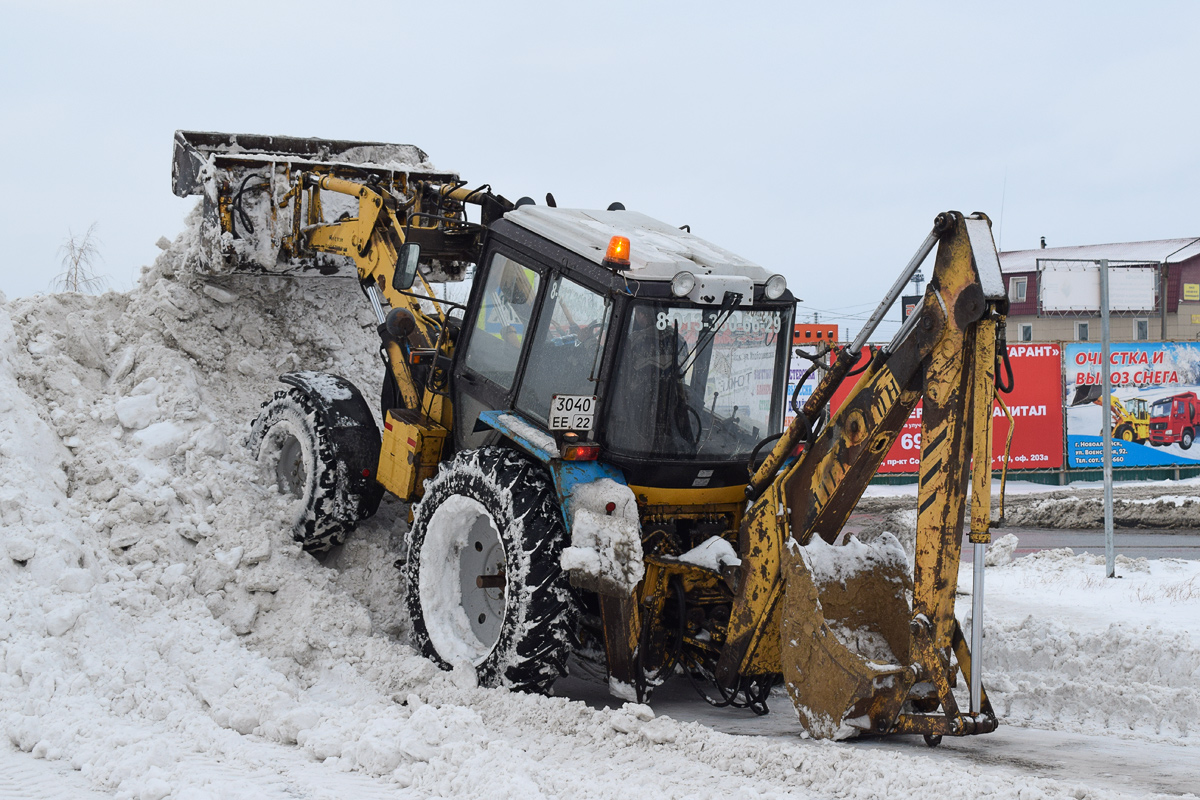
(80, 256)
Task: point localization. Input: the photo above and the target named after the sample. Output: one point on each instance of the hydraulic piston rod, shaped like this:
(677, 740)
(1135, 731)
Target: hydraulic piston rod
(842, 365)
(889, 299)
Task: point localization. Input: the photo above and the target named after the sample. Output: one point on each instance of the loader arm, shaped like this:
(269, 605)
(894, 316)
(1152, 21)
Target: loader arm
(946, 360)
(374, 240)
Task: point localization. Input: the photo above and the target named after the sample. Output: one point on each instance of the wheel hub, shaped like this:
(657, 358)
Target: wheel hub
(289, 468)
(463, 580)
(482, 557)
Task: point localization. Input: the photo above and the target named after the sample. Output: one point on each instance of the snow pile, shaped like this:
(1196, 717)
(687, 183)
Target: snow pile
(1066, 648)
(1000, 552)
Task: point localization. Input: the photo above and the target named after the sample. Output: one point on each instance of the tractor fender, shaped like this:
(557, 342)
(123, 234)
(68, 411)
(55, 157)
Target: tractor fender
(352, 429)
(598, 507)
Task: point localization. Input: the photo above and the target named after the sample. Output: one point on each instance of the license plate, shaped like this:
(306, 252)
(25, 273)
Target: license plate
(572, 412)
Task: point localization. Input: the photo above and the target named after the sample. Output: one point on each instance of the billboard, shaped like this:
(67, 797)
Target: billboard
(1035, 406)
(1075, 286)
(1156, 408)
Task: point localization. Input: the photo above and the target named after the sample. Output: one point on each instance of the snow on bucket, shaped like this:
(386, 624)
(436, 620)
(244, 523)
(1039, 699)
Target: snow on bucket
(845, 634)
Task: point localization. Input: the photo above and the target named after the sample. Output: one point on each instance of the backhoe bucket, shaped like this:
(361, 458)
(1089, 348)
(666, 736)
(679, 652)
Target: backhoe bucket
(256, 207)
(845, 635)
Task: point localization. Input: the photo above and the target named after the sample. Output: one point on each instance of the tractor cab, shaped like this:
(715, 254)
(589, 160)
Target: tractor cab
(664, 354)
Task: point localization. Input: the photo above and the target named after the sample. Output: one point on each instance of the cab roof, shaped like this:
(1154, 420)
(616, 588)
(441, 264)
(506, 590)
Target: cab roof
(657, 251)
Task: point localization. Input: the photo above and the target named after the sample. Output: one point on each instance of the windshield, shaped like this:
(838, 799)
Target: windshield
(1162, 408)
(698, 382)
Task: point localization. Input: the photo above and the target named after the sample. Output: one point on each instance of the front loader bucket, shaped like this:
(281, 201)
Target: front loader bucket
(845, 635)
(256, 207)
(1086, 394)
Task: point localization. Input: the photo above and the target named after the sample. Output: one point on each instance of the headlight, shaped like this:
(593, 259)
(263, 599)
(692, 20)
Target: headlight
(682, 284)
(776, 286)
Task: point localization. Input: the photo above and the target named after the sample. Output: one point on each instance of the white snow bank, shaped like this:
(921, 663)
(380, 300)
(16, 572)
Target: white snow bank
(1066, 648)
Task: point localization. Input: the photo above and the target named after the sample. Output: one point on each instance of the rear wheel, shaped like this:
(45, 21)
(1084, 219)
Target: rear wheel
(291, 441)
(484, 582)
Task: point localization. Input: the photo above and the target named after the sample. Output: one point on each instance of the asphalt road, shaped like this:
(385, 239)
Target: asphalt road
(1132, 543)
(1135, 767)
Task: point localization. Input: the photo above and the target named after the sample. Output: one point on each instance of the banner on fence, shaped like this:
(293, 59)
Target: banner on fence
(1035, 405)
(1155, 406)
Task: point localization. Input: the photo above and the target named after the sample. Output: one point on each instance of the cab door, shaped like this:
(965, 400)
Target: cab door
(495, 341)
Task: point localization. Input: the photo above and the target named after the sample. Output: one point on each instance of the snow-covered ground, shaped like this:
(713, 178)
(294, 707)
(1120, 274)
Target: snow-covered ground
(160, 635)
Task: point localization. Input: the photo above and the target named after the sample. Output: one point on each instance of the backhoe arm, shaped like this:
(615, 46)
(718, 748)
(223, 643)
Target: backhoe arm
(945, 359)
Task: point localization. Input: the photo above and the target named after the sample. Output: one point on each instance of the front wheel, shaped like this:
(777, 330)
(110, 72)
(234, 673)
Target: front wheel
(292, 442)
(1186, 439)
(484, 582)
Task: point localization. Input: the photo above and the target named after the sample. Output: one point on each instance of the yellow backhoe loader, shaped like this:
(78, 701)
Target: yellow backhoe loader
(593, 442)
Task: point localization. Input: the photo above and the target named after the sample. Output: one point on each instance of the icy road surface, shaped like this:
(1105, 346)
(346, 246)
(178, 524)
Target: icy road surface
(161, 637)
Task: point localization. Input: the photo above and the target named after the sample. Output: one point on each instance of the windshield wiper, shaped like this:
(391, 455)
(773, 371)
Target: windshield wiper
(730, 300)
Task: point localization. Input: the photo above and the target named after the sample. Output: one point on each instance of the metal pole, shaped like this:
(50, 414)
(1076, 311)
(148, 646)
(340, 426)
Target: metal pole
(1110, 558)
(977, 628)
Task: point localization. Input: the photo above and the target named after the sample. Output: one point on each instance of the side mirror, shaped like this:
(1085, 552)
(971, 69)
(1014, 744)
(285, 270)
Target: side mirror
(406, 266)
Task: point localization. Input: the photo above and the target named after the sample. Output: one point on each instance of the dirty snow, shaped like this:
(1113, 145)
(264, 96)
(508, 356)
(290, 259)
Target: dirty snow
(605, 553)
(162, 637)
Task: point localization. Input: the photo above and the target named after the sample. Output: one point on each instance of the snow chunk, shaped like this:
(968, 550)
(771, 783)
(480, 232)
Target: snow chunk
(19, 548)
(138, 411)
(77, 581)
(219, 294)
(1001, 551)
(606, 548)
(63, 618)
(714, 553)
(161, 439)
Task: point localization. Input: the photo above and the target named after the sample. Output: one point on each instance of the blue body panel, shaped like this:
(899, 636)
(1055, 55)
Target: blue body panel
(567, 475)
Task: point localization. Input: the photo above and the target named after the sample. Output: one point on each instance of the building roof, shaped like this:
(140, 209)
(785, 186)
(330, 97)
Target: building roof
(1170, 250)
(657, 250)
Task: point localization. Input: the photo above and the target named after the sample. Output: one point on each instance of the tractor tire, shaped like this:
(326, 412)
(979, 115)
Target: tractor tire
(1124, 433)
(487, 513)
(1186, 438)
(292, 444)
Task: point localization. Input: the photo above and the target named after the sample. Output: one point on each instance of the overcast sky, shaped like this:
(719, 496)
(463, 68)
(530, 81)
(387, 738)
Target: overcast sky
(818, 141)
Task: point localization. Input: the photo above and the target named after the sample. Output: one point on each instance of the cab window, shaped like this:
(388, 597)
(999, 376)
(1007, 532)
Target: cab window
(502, 322)
(565, 354)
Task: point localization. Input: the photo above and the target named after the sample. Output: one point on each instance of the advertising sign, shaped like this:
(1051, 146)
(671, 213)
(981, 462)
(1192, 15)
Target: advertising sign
(798, 368)
(807, 338)
(1034, 403)
(1155, 410)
